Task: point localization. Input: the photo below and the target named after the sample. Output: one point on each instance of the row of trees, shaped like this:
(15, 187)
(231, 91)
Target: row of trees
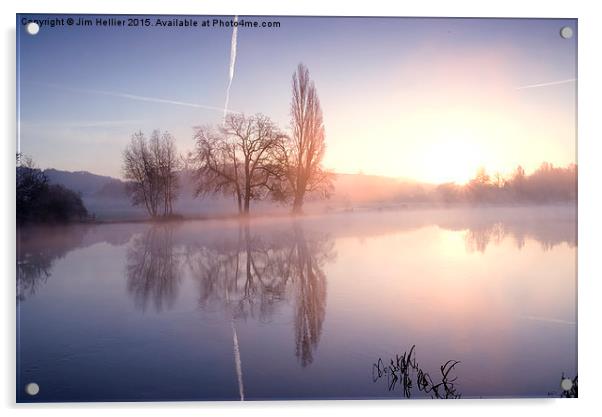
(547, 184)
(247, 157)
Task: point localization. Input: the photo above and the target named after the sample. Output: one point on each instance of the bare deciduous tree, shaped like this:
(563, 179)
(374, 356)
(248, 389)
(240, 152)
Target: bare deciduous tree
(151, 166)
(168, 164)
(300, 156)
(238, 159)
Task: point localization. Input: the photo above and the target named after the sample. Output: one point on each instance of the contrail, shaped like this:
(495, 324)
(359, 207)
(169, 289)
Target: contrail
(232, 62)
(549, 320)
(158, 100)
(237, 362)
(524, 87)
(87, 124)
(138, 98)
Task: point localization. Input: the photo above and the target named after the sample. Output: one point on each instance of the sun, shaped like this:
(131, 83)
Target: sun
(451, 160)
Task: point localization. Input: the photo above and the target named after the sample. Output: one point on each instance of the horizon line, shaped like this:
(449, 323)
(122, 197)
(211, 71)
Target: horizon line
(397, 178)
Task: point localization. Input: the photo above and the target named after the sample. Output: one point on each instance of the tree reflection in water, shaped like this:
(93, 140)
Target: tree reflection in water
(310, 294)
(249, 274)
(477, 239)
(37, 249)
(480, 235)
(252, 275)
(153, 268)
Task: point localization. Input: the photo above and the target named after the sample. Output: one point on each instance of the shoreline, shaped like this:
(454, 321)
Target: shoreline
(380, 209)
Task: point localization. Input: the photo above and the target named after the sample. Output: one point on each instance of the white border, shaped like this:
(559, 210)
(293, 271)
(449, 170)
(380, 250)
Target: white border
(590, 276)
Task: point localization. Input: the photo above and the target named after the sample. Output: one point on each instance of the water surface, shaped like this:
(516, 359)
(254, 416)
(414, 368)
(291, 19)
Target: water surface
(293, 309)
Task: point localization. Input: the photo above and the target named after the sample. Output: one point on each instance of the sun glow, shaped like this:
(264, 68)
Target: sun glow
(451, 160)
(440, 123)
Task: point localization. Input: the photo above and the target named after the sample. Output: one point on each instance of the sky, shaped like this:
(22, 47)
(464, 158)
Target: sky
(416, 98)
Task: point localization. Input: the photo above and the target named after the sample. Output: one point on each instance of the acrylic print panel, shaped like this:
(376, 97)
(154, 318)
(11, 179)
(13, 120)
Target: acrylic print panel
(269, 208)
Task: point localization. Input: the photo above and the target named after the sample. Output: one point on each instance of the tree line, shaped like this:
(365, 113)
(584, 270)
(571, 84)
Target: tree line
(547, 184)
(38, 201)
(246, 157)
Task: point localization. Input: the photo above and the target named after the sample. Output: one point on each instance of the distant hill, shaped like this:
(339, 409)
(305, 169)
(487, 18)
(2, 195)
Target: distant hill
(116, 188)
(113, 189)
(349, 188)
(82, 182)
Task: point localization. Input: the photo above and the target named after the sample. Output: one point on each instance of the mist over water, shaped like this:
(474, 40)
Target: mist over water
(298, 307)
